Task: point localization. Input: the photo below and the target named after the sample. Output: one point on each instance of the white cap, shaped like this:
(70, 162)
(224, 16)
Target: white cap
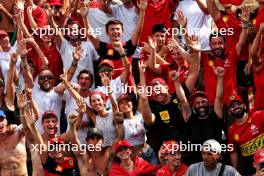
(212, 145)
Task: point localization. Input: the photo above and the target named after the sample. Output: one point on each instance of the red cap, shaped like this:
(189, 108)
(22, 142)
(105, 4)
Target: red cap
(122, 143)
(49, 114)
(170, 146)
(233, 2)
(3, 32)
(197, 94)
(233, 98)
(106, 62)
(56, 140)
(99, 93)
(124, 96)
(55, 2)
(158, 81)
(259, 156)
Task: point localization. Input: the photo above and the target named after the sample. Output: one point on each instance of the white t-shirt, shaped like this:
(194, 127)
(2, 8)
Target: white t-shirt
(70, 109)
(98, 19)
(118, 89)
(86, 62)
(106, 125)
(46, 101)
(128, 17)
(198, 23)
(135, 132)
(5, 58)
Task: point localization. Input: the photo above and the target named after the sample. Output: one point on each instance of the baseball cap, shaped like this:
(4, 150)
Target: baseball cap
(2, 114)
(93, 132)
(122, 143)
(212, 146)
(170, 146)
(124, 96)
(197, 94)
(106, 62)
(233, 98)
(158, 81)
(3, 32)
(259, 156)
(55, 2)
(49, 114)
(233, 2)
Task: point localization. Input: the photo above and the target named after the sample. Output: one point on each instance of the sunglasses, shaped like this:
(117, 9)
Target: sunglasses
(105, 69)
(45, 77)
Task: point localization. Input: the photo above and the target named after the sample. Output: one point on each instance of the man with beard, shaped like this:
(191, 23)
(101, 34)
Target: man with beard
(219, 56)
(246, 134)
(202, 116)
(46, 98)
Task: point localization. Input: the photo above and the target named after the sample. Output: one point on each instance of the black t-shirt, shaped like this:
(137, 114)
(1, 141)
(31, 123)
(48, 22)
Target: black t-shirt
(69, 167)
(200, 130)
(169, 123)
(106, 51)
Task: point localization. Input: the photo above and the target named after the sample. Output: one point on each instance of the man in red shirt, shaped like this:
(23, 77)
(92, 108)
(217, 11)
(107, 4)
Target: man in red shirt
(246, 134)
(174, 167)
(219, 56)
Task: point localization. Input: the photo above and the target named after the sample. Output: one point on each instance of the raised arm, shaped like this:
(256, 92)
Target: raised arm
(105, 7)
(256, 48)
(213, 10)
(89, 31)
(203, 6)
(194, 63)
(126, 72)
(218, 104)
(58, 37)
(10, 88)
(119, 121)
(186, 108)
(148, 116)
(243, 35)
(6, 12)
(32, 22)
(153, 65)
(142, 5)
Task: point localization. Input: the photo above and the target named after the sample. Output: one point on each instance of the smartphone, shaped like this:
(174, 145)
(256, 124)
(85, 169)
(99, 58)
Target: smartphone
(261, 165)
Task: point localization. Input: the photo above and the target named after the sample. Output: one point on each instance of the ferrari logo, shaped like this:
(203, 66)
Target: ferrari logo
(110, 52)
(165, 116)
(59, 168)
(225, 18)
(210, 63)
(236, 137)
(175, 101)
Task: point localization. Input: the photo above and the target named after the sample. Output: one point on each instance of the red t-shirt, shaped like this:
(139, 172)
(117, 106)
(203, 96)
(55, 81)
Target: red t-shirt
(229, 63)
(39, 16)
(157, 13)
(165, 171)
(165, 69)
(259, 87)
(249, 136)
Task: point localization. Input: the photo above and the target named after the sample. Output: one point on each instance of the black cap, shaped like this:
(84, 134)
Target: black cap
(93, 132)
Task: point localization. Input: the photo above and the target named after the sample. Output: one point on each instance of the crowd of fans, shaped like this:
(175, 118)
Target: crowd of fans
(146, 87)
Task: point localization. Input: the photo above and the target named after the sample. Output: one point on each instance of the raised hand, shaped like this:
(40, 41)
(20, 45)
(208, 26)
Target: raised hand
(49, 11)
(219, 71)
(118, 47)
(152, 43)
(14, 57)
(174, 75)
(245, 15)
(181, 19)
(29, 10)
(105, 80)
(63, 78)
(142, 67)
(118, 117)
(84, 10)
(172, 43)
(22, 50)
(20, 5)
(22, 102)
(194, 43)
(142, 5)
(72, 119)
(81, 106)
(77, 53)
